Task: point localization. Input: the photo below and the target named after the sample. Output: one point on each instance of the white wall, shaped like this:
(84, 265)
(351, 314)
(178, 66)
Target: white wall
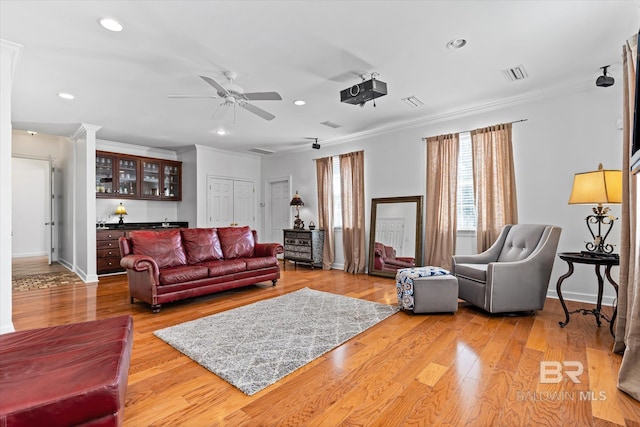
(567, 131)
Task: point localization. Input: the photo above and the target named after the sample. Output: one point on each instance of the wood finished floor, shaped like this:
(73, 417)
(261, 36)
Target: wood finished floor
(417, 370)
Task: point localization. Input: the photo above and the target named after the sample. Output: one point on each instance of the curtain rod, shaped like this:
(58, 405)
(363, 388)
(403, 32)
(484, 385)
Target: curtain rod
(516, 121)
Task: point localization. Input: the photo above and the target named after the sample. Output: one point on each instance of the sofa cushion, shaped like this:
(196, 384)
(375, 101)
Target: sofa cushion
(201, 244)
(183, 273)
(236, 242)
(224, 267)
(261, 262)
(165, 247)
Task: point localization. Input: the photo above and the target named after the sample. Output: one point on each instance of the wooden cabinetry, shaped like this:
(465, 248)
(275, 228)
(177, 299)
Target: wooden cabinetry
(108, 251)
(304, 246)
(134, 177)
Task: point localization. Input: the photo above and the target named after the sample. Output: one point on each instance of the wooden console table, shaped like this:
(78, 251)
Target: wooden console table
(598, 260)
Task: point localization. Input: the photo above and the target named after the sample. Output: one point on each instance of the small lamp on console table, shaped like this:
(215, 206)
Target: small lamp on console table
(298, 224)
(120, 210)
(598, 187)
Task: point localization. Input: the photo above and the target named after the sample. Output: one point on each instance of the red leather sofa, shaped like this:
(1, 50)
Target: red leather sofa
(386, 260)
(66, 375)
(171, 265)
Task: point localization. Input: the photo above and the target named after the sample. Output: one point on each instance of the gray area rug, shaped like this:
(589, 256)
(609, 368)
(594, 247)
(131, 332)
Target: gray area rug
(256, 345)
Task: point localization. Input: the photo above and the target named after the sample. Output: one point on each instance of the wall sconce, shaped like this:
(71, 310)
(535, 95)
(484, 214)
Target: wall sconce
(298, 224)
(598, 187)
(120, 210)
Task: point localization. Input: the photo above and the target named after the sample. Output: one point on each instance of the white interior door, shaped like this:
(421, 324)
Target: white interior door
(30, 206)
(279, 211)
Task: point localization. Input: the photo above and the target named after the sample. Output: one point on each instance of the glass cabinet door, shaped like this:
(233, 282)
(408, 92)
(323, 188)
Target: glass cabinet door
(104, 176)
(128, 177)
(150, 178)
(171, 185)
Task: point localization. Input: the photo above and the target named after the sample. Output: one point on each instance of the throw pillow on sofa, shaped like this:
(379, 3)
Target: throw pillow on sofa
(236, 242)
(201, 244)
(165, 247)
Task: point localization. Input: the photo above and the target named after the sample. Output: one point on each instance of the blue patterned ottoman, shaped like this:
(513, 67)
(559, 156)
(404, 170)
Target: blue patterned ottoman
(427, 290)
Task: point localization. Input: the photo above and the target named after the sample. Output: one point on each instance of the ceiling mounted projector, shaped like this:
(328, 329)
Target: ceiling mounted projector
(604, 80)
(365, 91)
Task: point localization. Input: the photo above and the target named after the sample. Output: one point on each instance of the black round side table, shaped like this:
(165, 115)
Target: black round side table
(606, 260)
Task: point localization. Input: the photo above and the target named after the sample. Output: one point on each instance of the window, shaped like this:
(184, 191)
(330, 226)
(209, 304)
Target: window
(337, 192)
(466, 209)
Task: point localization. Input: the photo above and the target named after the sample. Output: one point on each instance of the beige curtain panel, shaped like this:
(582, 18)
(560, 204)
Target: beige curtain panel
(627, 329)
(324, 178)
(494, 182)
(353, 223)
(441, 206)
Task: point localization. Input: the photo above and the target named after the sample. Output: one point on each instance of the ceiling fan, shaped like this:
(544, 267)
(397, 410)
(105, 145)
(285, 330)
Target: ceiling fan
(234, 94)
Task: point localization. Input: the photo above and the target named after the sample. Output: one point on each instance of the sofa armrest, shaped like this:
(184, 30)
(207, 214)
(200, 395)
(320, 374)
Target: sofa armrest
(141, 263)
(268, 249)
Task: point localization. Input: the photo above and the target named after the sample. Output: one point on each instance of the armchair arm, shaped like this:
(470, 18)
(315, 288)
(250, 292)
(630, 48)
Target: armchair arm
(399, 263)
(268, 249)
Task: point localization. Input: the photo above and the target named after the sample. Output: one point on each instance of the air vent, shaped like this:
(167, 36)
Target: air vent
(412, 101)
(261, 150)
(515, 73)
(331, 124)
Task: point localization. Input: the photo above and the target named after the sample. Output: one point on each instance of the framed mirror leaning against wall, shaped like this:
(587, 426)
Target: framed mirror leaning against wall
(395, 237)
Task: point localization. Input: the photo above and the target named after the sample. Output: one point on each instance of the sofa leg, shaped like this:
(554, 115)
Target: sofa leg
(274, 281)
(131, 300)
(155, 308)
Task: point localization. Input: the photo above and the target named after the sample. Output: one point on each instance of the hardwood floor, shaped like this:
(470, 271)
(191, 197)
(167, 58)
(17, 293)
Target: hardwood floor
(464, 369)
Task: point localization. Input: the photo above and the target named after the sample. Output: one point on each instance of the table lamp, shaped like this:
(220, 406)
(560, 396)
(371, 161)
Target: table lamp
(598, 187)
(298, 224)
(120, 210)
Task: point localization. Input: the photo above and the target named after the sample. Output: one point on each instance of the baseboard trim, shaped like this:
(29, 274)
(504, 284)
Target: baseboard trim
(580, 297)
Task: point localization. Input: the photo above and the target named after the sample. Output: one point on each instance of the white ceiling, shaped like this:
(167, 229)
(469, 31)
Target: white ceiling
(301, 49)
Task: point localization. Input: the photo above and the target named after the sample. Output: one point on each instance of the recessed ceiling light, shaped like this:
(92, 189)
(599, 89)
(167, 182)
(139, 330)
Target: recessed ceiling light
(221, 132)
(111, 24)
(456, 44)
(299, 102)
(64, 95)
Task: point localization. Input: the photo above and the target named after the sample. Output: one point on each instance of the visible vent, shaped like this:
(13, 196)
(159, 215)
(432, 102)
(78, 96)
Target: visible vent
(515, 73)
(261, 150)
(412, 101)
(331, 124)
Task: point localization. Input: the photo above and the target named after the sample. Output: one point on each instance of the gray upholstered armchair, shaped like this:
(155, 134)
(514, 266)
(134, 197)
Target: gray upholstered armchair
(513, 274)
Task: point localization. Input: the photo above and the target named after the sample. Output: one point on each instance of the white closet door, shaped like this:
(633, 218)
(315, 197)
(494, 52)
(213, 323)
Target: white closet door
(243, 203)
(220, 202)
(230, 203)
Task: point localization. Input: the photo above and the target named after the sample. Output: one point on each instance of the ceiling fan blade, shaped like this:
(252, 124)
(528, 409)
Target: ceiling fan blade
(220, 112)
(193, 96)
(257, 111)
(216, 85)
(262, 96)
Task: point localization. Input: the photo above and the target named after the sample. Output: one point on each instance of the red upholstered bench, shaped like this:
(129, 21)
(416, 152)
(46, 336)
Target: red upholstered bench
(66, 375)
